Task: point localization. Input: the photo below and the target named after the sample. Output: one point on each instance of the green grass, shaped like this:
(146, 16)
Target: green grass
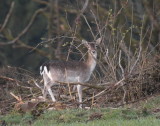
(109, 117)
(110, 122)
(142, 116)
(152, 103)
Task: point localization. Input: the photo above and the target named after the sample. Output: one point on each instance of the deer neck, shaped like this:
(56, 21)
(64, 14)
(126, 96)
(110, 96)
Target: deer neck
(91, 62)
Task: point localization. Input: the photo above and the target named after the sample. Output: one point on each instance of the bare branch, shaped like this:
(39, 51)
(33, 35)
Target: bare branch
(25, 29)
(7, 17)
(82, 11)
(89, 26)
(9, 79)
(41, 2)
(84, 6)
(76, 23)
(140, 49)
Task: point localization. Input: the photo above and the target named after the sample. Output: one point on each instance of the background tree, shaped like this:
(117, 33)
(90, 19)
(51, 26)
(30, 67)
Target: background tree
(33, 31)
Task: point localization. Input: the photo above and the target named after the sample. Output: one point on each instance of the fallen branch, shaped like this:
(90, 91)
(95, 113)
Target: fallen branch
(107, 89)
(9, 79)
(83, 84)
(19, 83)
(38, 85)
(19, 99)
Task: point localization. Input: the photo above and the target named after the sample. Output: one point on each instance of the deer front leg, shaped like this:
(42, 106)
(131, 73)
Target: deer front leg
(79, 90)
(44, 92)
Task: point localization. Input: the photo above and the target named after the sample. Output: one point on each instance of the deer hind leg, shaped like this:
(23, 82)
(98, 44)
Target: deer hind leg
(47, 88)
(46, 83)
(51, 93)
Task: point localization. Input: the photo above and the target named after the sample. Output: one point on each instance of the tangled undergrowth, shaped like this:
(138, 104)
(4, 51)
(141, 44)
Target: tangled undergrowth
(19, 92)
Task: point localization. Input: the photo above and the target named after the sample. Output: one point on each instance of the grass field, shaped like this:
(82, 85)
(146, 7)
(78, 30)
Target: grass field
(144, 113)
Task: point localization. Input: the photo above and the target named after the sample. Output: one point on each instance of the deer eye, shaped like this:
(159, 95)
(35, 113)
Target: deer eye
(93, 51)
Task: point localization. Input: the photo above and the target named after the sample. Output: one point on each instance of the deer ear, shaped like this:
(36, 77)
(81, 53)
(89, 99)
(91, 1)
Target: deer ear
(98, 41)
(85, 43)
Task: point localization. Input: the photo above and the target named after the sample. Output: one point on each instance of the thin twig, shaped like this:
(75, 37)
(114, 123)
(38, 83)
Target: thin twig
(89, 26)
(49, 40)
(140, 49)
(120, 53)
(98, 26)
(130, 41)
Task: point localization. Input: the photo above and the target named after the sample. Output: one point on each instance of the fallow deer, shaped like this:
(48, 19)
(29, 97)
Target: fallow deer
(70, 71)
